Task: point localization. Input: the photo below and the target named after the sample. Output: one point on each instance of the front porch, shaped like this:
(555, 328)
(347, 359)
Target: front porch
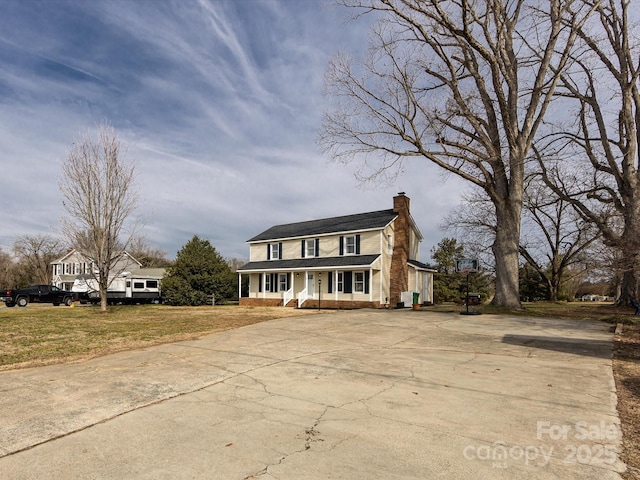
(346, 289)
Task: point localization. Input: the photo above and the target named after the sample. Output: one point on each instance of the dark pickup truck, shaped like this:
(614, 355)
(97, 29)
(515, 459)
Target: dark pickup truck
(37, 294)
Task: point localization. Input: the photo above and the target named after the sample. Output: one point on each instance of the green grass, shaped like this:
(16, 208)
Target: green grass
(38, 335)
(565, 310)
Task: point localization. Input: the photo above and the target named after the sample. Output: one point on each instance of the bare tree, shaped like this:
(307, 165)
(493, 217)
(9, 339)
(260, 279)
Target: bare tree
(7, 270)
(35, 253)
(97, 184)
(465, 85)
(555, 241)
(148, 255)
(236, 263)
(474, 223)
(598, 168)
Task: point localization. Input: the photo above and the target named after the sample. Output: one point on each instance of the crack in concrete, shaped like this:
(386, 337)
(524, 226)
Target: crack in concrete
(312, 435)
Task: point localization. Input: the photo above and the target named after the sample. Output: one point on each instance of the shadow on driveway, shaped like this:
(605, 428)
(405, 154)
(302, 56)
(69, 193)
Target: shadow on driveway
(580, 346)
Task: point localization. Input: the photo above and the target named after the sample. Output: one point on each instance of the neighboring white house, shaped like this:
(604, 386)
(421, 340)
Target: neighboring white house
(362, 260)
(74, 263)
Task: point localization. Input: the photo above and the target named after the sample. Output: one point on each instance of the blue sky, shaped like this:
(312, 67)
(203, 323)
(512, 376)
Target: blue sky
(219, 103)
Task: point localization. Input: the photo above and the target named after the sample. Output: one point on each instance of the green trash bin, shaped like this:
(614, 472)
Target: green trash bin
(416, 296)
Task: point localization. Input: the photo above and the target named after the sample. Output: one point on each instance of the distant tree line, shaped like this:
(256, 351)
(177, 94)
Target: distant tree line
(594, 273)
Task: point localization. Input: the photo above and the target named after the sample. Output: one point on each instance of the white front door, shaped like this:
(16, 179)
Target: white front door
(311, 285)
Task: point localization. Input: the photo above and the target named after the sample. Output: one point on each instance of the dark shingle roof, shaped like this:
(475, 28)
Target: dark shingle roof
(420, 265)
(314, 262)
(346, 223)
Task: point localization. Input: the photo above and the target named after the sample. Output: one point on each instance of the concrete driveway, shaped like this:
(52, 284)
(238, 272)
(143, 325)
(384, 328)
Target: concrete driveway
(343, 395)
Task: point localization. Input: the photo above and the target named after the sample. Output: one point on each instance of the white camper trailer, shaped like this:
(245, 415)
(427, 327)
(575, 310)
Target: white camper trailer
(139, 286)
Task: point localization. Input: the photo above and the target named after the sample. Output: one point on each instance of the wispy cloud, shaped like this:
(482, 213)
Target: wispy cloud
(218, 101)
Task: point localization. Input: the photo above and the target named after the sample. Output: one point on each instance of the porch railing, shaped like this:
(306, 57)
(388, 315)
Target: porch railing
(302, 296)
(288, 296)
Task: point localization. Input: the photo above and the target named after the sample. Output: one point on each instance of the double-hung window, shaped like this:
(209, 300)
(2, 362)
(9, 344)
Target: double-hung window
(283, 282)
(267, 283)
(350, 244)
(310, 248)
(340, 282)
(358, 282)
(275, 251)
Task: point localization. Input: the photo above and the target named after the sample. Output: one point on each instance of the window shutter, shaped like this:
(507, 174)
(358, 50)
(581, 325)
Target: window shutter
(268, 251)
(274, 279)
(366, 281)
(288, 281)
(329, 282)
(357, 244)
(341, 245)
(280, 251)
(259, 282)
(303, 251)
(317, 247)
(348, 282)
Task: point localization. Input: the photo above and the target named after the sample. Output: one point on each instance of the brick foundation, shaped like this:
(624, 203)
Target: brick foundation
(309, 304)
(339, 305)
(260, 302)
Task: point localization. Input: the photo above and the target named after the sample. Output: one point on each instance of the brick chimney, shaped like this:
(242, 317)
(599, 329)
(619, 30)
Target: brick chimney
(401, 203)
(399, 281)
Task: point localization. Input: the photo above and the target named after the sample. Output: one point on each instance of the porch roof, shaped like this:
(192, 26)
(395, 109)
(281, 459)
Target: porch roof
(420, 266)
(315, 263)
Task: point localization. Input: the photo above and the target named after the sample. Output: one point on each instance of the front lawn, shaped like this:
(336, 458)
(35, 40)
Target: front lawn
(42, 335)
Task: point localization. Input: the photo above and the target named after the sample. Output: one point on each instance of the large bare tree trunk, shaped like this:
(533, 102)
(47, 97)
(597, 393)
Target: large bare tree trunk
(505, 249)
(629, 246)
(628, 287)
(628, 242)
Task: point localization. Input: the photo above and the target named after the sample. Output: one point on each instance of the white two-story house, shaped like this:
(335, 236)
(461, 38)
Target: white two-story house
(352, 261)
(67, 268)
